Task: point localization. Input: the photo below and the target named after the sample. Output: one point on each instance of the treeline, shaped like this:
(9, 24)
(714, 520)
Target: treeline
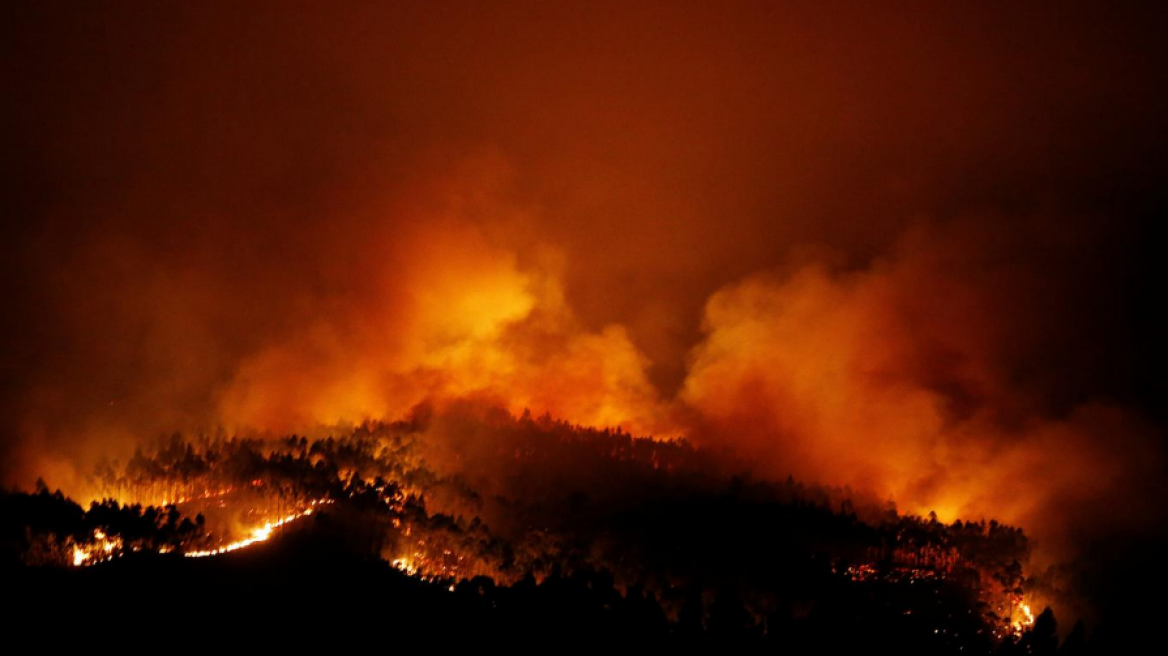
(46, 528)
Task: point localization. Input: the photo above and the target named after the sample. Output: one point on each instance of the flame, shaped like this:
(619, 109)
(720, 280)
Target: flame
(258, 534)
(405, 565)
(1022, 618)
(103, 547)
(100, 549)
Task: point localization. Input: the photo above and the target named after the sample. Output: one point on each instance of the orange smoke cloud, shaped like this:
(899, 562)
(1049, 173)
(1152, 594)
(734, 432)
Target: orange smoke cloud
(906, 378)
(903, 379)
(453, 316)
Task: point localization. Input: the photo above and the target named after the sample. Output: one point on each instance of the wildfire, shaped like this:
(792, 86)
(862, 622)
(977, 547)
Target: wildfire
(392, 483)
(431, 563)
(405, 565)
(259, 534)
(101, 549)
(1022, 618)
(104, 547)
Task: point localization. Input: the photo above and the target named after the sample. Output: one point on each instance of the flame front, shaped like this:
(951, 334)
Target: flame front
(258, 534)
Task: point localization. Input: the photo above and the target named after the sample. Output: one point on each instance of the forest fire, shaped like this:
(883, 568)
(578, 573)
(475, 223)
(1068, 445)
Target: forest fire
(759, 325)
(382, 475)
(101, 549)
(1022, 618)
(259, 534)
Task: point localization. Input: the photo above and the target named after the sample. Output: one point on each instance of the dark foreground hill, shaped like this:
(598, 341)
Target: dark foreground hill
(311, 586)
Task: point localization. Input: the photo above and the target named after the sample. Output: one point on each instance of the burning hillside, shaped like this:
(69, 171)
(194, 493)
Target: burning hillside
(744, 322)
(681, 528)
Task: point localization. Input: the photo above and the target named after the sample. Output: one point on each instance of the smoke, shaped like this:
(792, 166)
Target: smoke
(918, 377)
(910, 254)
(452, 315)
